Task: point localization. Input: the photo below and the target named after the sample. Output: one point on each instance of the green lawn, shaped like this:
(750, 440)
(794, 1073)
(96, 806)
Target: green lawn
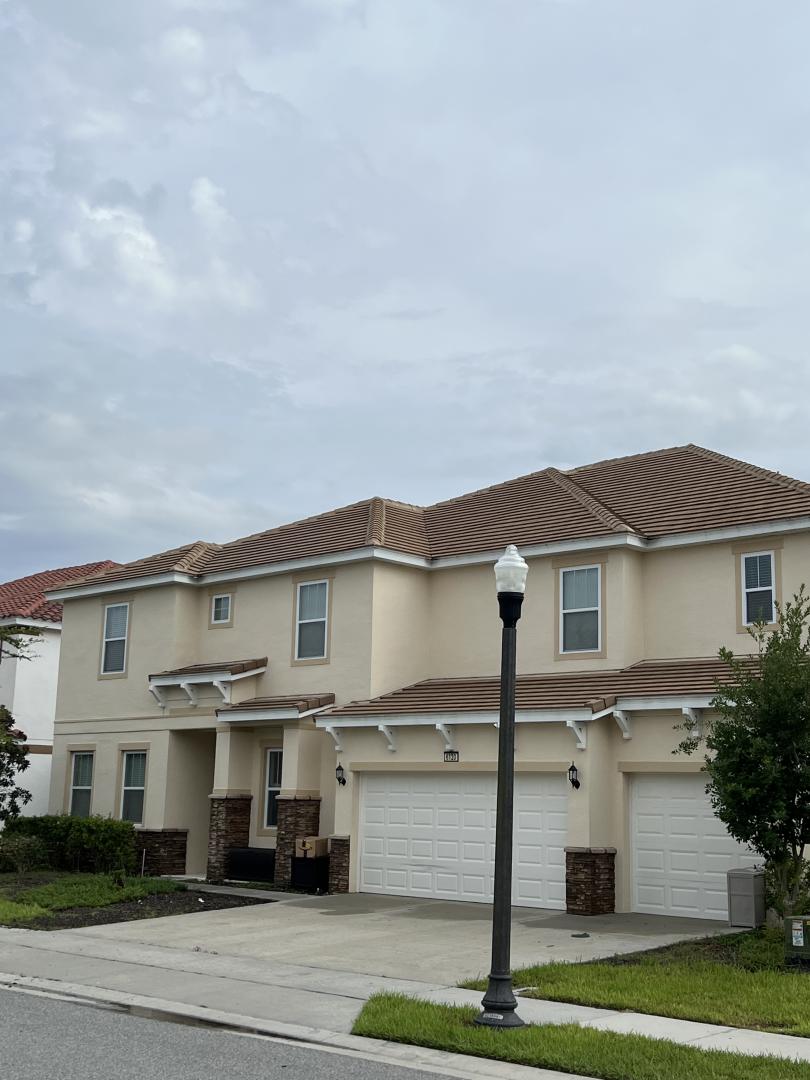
(736, 979)
(23, 901)
(566, 1047)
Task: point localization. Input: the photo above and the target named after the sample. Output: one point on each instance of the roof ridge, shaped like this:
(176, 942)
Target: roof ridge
(488, 487)
(199, 548)
(598, 509)
(627, 457)
(746, 467)
(375, 530)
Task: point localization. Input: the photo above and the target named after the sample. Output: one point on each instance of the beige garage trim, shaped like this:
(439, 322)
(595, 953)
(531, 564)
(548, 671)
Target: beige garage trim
(660, 766)
(456, 766)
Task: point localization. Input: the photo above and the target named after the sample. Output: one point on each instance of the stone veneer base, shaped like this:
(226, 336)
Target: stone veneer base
(297, 817)
(339, 851)
(590, 881)
(229, 827)
(161, 851)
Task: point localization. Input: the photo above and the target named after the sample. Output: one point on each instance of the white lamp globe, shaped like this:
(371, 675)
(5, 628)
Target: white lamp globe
(511, 571)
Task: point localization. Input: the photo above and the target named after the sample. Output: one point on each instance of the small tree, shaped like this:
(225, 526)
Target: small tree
(16, 641)
(758, 759)
(13, 761)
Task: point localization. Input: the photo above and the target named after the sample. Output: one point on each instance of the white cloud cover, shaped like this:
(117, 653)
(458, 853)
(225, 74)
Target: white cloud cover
(260, 259)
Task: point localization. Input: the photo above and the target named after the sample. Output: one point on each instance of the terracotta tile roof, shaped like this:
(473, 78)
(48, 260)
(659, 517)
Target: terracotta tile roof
(25, 598)
(573, 690)
(301, 702)
(231, 667)
(680, 489)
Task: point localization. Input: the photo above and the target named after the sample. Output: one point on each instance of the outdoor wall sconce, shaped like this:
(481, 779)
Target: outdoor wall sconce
(340, 775)
(573, 776)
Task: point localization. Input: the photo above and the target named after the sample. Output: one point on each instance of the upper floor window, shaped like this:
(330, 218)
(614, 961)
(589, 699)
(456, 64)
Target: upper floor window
(220, 609)
(580, 622)
(133, 788)
(312, 608)
(81, 783)
(274, 758)
(758, 588)
(114, 651)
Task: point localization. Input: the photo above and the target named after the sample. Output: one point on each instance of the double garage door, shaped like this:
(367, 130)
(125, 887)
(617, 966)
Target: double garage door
(433, 835)
(681, 851)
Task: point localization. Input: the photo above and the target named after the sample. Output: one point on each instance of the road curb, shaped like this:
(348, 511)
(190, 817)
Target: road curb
(406, 1056)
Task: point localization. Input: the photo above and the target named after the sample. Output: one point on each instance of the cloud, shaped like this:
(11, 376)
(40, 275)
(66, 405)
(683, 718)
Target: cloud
(257, 260)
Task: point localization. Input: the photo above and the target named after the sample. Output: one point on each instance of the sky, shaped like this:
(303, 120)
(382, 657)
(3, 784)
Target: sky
(262, 258)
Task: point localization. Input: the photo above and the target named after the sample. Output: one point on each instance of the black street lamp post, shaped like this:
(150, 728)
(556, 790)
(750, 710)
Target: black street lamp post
(499, 1002)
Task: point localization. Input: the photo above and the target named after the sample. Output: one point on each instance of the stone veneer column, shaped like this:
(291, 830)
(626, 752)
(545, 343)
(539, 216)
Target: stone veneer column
(339, 850)
(164, 850)
(298, 816)
(590, 880)
(229, 827)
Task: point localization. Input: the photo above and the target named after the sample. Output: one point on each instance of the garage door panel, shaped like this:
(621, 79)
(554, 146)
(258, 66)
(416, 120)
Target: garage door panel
(680, 850)
(450, 849)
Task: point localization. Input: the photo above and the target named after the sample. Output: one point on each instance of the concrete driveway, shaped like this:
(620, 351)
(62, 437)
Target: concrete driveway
(396, 937)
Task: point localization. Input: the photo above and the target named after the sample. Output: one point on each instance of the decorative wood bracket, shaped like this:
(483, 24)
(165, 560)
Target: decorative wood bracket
(388, 735)
(694, 719)
(623, 720)
(190, 692)
(447, 734)
(157, 695)
(335, 733)
(580, 733)
(224, 689)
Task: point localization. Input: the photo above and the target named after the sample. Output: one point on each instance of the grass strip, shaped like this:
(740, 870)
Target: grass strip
(92, 891)
(736, 980)
(565, 1047)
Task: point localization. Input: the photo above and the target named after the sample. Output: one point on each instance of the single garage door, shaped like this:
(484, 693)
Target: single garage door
(433, 835)
(681, 851)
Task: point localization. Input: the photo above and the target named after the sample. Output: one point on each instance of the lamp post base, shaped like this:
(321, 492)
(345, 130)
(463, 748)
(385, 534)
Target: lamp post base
(499, 1004)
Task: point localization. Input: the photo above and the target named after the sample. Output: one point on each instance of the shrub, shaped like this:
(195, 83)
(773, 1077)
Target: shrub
(92, 844)
(19, 854)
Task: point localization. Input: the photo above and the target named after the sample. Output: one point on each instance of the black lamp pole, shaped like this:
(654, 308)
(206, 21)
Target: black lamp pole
(499, 1002)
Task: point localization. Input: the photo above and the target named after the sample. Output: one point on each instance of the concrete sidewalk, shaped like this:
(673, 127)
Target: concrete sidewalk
(265, 992)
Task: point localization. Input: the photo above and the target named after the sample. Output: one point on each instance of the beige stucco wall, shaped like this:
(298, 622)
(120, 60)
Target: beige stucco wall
(401, 617)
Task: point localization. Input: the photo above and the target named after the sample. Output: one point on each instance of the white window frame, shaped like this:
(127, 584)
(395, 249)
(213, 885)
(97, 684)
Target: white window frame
(73, 786)
(221, 596)
(267, 786)
(745, 590)
(105, 639)
(125, 789)
(568, 611)
(299, 622)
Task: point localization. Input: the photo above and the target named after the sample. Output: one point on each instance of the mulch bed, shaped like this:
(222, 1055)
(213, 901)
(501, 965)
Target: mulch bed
(151, 907)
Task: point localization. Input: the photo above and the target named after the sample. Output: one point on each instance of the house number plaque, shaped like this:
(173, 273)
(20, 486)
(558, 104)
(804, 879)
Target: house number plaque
(451, 755)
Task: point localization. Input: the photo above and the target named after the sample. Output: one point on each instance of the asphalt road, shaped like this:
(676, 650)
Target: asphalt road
(48, 1039)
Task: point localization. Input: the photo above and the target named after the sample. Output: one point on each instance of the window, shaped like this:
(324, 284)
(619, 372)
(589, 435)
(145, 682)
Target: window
(273, 788)
(134, 786)
(81, 787)
(221, 609)
(758, 588)
(114, 655)
(579, 610)
(310, 631)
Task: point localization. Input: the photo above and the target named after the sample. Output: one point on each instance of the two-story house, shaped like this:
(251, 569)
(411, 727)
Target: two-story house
(28, 684)
(338, 676)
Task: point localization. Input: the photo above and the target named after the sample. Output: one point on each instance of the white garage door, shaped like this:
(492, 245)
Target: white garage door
(681, 851)
(433, 835)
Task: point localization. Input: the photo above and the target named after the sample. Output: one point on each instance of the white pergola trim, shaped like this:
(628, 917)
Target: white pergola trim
(448, 735)
(622, 718)
(188, 683)
(258, 715)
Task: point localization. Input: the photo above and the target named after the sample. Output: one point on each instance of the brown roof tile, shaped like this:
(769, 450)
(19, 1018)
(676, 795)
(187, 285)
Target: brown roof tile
(679, 489)
(573, 690)
(232, 667)
(302, 702)
(25, 597)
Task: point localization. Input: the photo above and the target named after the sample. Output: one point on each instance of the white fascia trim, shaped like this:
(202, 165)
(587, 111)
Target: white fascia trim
(452, 719)
(532, 551)
(36, 624)
(657, 704)
(232, 716)
(121, 586)
(728, 532)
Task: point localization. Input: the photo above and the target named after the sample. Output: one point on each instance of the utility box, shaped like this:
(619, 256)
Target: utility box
(797, 940)
(746, 896)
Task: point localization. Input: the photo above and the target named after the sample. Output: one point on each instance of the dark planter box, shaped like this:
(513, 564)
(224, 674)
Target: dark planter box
(252, 864)
(311, 874)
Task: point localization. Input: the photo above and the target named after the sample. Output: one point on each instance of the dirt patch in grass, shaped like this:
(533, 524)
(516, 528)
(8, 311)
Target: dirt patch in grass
(151, 907)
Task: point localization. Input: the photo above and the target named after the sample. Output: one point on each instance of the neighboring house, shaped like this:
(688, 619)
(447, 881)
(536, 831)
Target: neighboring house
(28, 686)
(208, 693)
